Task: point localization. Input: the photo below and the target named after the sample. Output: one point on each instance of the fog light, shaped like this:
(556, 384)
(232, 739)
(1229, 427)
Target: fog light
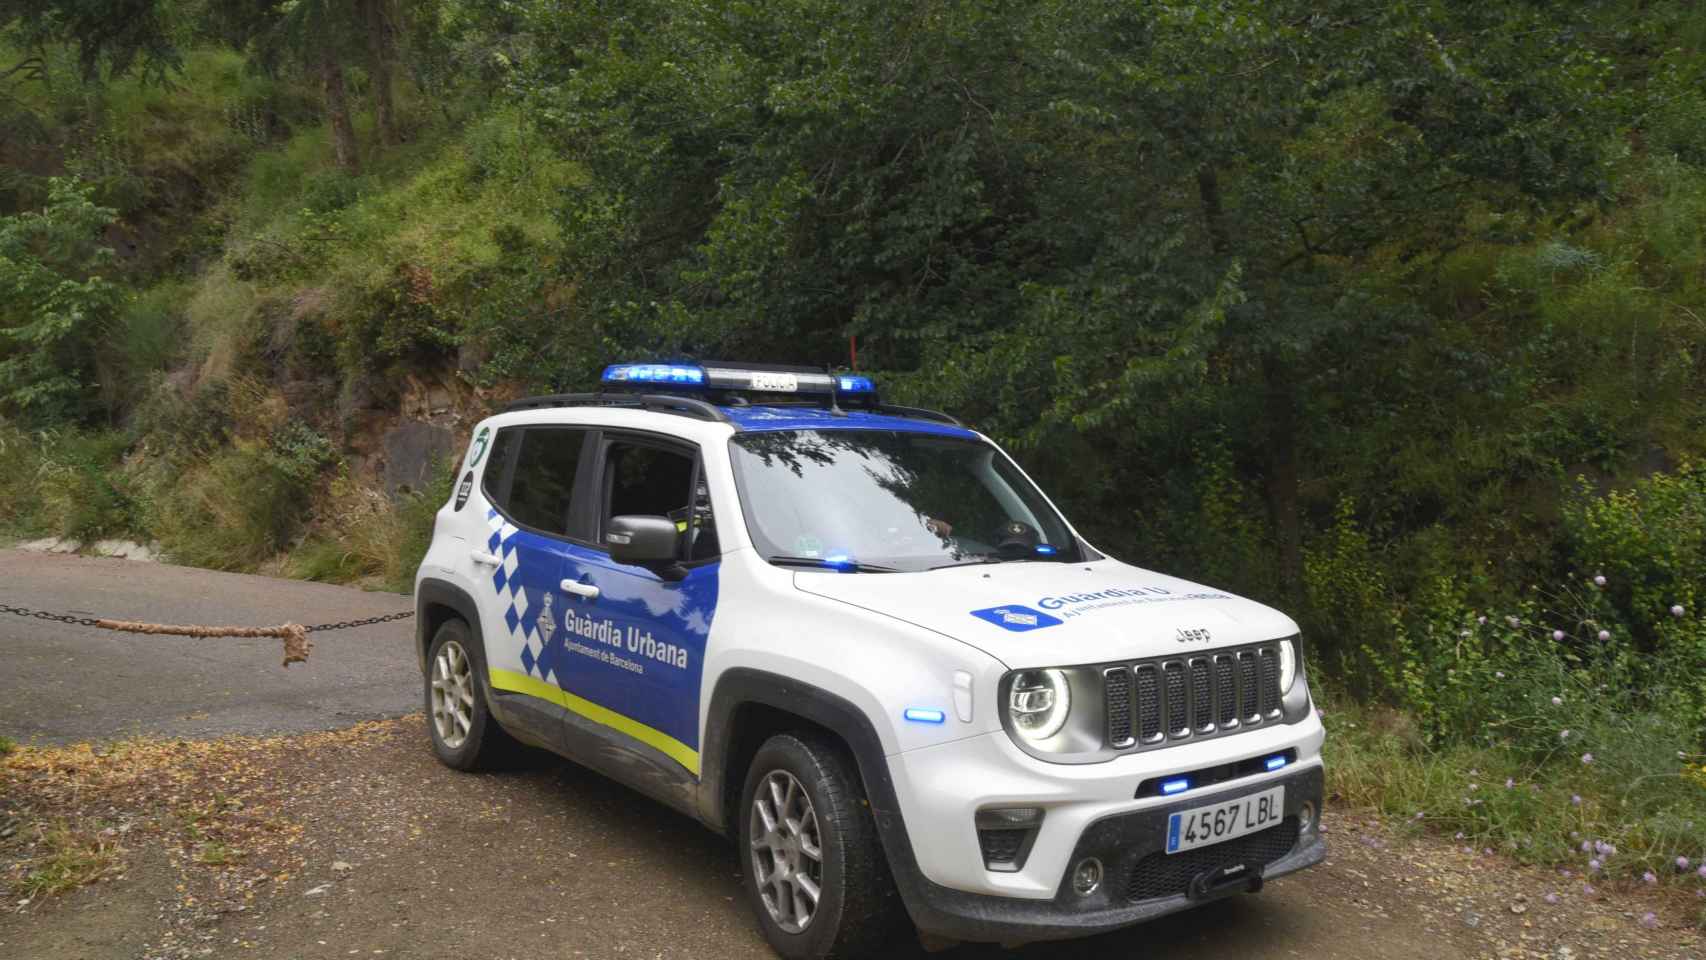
(1017, 816)
(1306, 817)
(1087, 876)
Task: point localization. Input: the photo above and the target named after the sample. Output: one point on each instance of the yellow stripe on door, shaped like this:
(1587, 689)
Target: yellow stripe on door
(534, 687)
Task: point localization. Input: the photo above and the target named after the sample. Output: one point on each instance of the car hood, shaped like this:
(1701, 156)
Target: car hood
(1040, 614)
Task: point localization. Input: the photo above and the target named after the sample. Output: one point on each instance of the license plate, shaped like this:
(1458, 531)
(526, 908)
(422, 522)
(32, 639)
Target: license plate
(1225, 821)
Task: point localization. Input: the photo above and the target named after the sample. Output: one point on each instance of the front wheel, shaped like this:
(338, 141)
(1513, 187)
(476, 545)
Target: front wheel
(465, 735)
(814, 867)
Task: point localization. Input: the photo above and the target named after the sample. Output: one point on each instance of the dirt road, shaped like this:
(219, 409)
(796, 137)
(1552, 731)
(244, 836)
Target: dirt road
(356, 842)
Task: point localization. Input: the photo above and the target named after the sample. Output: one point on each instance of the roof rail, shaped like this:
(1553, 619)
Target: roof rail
(921, 413)
(681, 406)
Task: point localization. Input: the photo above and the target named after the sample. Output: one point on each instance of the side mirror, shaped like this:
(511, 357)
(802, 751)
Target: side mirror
(642, 541)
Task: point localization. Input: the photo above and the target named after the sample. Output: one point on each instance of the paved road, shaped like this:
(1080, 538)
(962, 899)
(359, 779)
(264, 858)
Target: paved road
(63, 682)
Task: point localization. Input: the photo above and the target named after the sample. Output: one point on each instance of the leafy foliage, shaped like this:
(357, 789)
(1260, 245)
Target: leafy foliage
(53, 302)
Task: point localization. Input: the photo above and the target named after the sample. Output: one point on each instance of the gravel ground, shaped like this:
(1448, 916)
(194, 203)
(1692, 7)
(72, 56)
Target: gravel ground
(358, 843)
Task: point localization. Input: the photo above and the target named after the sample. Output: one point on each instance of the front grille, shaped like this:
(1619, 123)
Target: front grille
(1175, 698)
(1116, 686)
(1166, 875)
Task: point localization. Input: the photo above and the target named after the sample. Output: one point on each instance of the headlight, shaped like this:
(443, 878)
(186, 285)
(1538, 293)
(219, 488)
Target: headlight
(1287, 665)
(1038, 702)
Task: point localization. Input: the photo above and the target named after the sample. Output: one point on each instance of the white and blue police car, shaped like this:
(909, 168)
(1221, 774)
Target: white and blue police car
(856, 639)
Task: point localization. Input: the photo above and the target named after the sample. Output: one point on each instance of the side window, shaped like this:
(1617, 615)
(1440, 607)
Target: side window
(645, 480)
(494, 483)
(542, 485)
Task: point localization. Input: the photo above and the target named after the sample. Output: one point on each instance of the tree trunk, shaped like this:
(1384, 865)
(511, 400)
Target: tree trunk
(337, 111)
(380, 63)
(1280, 447)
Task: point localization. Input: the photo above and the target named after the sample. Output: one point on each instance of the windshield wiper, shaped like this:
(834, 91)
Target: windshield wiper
(994, 558)
(823, 564)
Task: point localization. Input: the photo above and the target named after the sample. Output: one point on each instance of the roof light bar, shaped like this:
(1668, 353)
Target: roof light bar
(755, 378)
(671, 374)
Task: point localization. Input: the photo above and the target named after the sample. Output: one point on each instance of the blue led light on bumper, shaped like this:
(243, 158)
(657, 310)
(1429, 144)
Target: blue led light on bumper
(1276, 761)
(1176, 785)
(674, 374)
(1045, 550)
(922, 715)
(841, 563)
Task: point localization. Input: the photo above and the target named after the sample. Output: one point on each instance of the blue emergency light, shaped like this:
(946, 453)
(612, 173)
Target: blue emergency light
(1176, 785)
(752, 378)
(1276, 761)
(676, 375)
(923, 715)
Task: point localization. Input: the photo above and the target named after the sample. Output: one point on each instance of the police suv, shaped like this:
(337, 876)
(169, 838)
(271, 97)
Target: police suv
(859, 641)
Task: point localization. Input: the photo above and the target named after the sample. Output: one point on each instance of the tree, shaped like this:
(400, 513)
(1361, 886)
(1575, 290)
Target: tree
(54, 304)
(110, 36)
(318, 36)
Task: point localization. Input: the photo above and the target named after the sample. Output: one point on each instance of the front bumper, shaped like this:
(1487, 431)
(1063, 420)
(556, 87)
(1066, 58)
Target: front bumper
(1130, 844)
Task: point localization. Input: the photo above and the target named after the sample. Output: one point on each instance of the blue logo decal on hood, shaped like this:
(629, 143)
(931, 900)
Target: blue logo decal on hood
(1017, 618)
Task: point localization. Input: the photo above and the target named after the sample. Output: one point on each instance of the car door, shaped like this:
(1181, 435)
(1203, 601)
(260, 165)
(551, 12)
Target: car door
(532, 527)
(638, 635)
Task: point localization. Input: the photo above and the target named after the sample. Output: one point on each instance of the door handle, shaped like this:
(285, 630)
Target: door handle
(579, 589)
(482, 557)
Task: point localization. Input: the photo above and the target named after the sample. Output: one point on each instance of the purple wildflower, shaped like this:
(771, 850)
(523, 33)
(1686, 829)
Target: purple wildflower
(1649, 877)
(1459, 835)
(1575, 799)
(1558, 635)
(1599, 581)
(1604, 635)
(1469, 850)
(1650, 920)
(1565, 873)
(1682, 863)
(1587, 889)
(1587, 847)
(1676, 611)
(1500, 674)
(1551, 898)
(1702, 871)
(1587, 758)
(1480, 619)
(1593, 865)
(1509, 783)
(1564, 734)
(1557, 701)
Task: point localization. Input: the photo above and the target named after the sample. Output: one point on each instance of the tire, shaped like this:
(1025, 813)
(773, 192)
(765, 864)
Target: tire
(857, 911)
(468, 738)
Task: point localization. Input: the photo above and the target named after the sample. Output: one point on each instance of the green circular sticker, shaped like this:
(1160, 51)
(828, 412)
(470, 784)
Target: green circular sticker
(478, 450)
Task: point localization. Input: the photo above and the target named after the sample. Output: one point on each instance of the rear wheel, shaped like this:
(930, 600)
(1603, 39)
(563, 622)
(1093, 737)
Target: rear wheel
(464, 733)
(815, 871)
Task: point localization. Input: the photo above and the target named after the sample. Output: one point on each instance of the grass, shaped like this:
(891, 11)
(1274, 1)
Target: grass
(7, 745)
(1651, 809)
(64, 860)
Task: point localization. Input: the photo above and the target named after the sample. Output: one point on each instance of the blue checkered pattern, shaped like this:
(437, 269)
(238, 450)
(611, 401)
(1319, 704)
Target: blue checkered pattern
(523, 600)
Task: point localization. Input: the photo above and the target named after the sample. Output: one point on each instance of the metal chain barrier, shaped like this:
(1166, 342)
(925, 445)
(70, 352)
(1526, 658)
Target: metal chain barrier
(295, 635)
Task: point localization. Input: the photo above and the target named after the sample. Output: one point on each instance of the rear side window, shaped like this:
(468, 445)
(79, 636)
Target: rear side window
(539, 489)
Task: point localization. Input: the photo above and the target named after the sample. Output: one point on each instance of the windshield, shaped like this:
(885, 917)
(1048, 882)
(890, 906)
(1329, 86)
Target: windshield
(890, 499)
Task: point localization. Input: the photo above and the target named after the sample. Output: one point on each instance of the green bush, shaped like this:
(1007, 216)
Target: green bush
(1648, 543)
(243, 505)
